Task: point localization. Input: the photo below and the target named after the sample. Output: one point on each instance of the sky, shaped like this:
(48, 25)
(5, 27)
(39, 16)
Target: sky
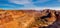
(21, 4)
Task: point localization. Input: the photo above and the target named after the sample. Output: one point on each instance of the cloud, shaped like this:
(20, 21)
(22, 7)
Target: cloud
(28, 3)
(12, 6)
(58, 0)
(20, 1)
(6, 5)
(40, 1)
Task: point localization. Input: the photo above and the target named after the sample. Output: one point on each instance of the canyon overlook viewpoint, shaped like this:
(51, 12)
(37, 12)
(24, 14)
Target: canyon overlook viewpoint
(30, 18)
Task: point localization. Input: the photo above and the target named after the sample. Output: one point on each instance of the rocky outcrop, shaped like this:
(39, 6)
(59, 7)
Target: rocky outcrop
(29, 19)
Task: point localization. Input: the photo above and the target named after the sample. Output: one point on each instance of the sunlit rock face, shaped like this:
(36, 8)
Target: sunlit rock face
(29, 18)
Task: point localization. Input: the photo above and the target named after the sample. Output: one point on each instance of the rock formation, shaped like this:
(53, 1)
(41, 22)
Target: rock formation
(29, 19)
